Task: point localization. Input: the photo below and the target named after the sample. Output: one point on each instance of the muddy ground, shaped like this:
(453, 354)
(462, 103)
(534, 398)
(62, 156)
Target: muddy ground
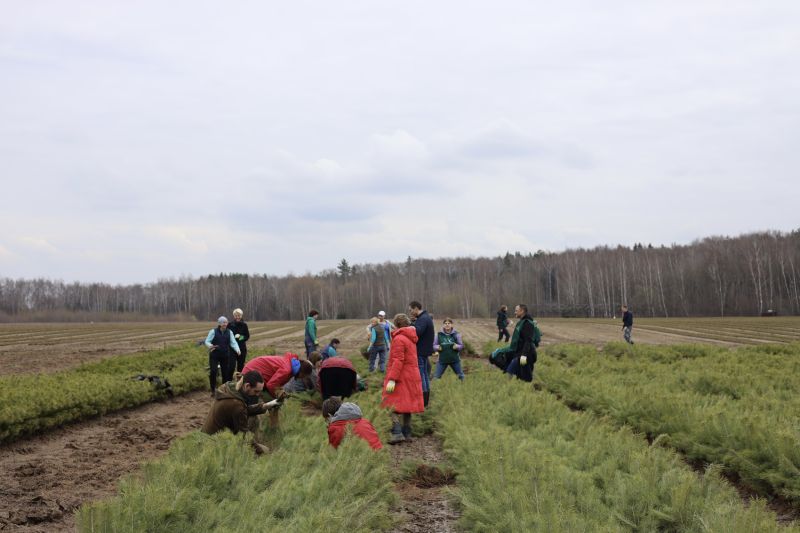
(45, 478)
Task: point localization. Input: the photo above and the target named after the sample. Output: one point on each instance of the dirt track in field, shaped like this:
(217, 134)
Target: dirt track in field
(47, 477)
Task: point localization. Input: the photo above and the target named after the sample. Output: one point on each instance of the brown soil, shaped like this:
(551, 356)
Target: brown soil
(47, 477)
(424, 505)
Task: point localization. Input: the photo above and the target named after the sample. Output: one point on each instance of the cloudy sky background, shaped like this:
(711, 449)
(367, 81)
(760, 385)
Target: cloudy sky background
(155, 139)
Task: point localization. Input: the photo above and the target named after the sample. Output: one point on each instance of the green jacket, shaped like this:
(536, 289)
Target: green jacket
(311, 330)
(522, 339)
(448, 345)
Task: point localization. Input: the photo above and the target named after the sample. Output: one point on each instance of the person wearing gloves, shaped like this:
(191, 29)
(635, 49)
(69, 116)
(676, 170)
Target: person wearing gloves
(449, 345)
(522, 349)
(277, 370)
(402, 386)
(341, 416)
(379, 342)
(311, 332)
(241, 333)
(220, 343)
(236, 408)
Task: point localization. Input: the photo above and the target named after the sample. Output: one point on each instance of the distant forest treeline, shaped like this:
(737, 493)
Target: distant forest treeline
(717, 276)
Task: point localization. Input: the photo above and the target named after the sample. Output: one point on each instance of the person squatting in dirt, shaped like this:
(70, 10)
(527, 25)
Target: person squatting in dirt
(277, 370)
(241, 333)
(310, 334)
(341, 417)
(337, 377)
(448, 345)
(236, 407)
(423, 324)
(220, 343)
(521, 352)
(402, 386)
(502, 323)
(379, 342)
(627, 324)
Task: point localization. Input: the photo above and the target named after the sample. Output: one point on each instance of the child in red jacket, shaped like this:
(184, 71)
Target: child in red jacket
(339, 416)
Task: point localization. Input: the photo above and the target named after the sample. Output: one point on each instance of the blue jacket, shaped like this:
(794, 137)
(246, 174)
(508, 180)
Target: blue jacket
(387, 339)
(328, 352)
(425, 334)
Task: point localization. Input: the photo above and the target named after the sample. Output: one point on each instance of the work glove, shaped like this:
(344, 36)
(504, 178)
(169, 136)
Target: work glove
(390, 386)
(237, 337)
(273, 404)
(316, 343)
(523, 360)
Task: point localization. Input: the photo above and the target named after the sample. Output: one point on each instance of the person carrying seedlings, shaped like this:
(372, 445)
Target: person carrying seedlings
(502, 323)
(378, 344)
(241, 333)
(330, 349)
(220, 343)
(236, 407)
(448, 344)
(311, 332)
(309, 383)
(277, 370)
(343, 416)
(521, 352)
(627, 324)
(402, 386)
(337, 377)
(423, 324)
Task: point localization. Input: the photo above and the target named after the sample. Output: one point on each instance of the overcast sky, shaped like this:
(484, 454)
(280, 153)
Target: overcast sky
(142, 140)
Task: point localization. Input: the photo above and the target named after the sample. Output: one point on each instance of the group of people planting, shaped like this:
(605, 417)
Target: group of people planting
(402, 349)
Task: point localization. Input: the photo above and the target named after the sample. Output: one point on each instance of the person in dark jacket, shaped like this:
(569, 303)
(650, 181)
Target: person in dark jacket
(241, 333)
(448, 344)
(502, 323)
(236, 407)
(522, 349)
(221, 343)
(627, 324)
(423, 323)
(337, 377)
(343, 416)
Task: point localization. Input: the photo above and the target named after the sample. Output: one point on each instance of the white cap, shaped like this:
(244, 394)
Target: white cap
(381, 313)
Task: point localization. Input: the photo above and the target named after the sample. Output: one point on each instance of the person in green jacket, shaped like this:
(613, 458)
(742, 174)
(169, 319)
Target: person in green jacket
(448, 344)
(311, 332)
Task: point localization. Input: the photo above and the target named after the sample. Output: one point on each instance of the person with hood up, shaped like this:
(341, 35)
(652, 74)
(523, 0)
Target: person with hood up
(236, 407)
(402, 386)
(220, 342)
(343, 416)
(449, 345)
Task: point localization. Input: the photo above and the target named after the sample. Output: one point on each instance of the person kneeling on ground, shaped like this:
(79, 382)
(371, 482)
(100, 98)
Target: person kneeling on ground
(341, 416)
(337, 377)
(448, 344)
(402, 386)
(310, 383)
(330, 350)
(236, 407)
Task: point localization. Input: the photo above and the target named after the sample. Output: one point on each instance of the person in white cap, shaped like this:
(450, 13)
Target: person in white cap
(220, 342)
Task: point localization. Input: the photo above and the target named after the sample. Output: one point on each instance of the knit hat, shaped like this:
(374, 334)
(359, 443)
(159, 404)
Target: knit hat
(222, 320)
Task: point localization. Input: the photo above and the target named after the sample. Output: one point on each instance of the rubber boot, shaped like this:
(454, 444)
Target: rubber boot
(397, 434)
(407, 427)
(426, 395)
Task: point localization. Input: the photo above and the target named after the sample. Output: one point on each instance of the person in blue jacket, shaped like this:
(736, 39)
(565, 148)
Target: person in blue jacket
(221, 343)
(423, 323)
(379, 342)
(330, 350)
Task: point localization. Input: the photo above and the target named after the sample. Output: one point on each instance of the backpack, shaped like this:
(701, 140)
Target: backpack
(537, 334)
(499, 359)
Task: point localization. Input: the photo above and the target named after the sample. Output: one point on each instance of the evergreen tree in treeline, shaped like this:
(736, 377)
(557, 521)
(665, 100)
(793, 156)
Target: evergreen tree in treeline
(716, 276)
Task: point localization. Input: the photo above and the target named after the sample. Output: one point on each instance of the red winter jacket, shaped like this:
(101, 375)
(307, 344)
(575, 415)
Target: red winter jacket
(361, 427)
(275, 369)
(404, 370)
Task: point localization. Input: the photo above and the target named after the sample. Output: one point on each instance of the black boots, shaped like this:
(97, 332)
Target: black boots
(426, 395)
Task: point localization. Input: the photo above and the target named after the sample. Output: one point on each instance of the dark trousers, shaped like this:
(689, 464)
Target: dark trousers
(241, 358)
(525, 373)
(502, 332)
(226, 364)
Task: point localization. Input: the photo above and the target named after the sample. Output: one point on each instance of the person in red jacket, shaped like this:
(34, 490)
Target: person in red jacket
(277, 370)
(402, 386)
(337, 377)
(341, 416)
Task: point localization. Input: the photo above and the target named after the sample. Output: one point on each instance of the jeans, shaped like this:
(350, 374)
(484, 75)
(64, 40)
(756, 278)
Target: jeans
(310, 347)
(377, 356)
(424, 372)
(441, 367)
(525, 373)
(226, 364)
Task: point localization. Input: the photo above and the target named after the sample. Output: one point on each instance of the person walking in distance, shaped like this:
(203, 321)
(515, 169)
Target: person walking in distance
(241, 333)
(627, 324)
(311, 332)
(220, 342)
(423, 324)
(502, 323)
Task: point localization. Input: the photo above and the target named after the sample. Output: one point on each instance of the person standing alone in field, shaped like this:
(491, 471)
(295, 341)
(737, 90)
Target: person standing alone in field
(502, 323)
(220, 342)
(423, 324)
(241, 333)
(627, 324)
(311, 332)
